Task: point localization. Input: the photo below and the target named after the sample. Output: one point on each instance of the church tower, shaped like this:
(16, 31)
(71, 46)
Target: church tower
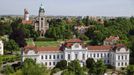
(40, 23)
(41, 11)
(26, 15)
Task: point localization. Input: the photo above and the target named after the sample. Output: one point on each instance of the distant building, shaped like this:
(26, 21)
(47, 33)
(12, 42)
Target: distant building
(40, 22)
(1, 48)
(111, 40)
(81, 29)
(26, 18)
(115, 55)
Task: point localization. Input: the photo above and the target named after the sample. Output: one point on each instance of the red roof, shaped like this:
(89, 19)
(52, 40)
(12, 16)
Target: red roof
(27, 22)
(99, 48)
(48, 49)
(74, 41)
(38, 49)
(112, 38)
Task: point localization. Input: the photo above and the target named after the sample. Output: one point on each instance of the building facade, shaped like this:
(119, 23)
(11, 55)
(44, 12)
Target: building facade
(1, 48)
(40, 22)
(115, 55)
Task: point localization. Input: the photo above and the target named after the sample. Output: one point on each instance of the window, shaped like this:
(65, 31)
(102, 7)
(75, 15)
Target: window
(61, 56)
(122, 57)
(122, 64)
(108, 55)
(101, 55)
(57, 56)
(49, 63)
(53, 63)
(91, 55)
(83, 56)
(49, 56)
(94, 55)
(76, 56)
(105, 54)
(45, 56)
(98, 55)
(118, 57)
(42, 57)
(125, 57)
(41, 18)
(68, 56)
(125, 63)
(76, 46)
(53, 56)
(118, 64)
(42, 24)
(107, 61)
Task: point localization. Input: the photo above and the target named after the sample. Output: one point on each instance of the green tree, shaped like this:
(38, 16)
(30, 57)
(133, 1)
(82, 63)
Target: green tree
(100, 67)
(61, 64)
(31, 68)
(11, 46)
(8, 70)
(90, 63)
(75, 67)
(130, 70)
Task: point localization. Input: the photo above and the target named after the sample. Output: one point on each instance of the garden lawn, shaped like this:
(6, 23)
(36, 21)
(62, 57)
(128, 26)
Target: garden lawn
(47, 43)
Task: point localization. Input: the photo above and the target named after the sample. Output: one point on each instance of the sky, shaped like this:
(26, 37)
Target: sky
(69, 7)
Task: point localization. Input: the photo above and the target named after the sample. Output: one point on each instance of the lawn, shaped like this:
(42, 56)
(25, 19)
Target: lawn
(47, 43)
(44, 43)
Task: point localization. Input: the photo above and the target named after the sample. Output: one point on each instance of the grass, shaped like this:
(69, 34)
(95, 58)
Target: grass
(44, 43)
(47, 43)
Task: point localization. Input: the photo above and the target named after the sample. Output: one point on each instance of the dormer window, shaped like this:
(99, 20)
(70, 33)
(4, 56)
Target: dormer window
(76, 46)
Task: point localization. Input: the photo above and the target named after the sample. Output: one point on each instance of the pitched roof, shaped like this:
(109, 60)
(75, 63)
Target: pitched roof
(38, 49)
(112, 38)
(100, 48)
(48, 49)
(74, 41)
(27, 22)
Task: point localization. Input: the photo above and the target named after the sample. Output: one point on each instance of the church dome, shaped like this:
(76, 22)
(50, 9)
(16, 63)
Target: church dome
(41, 7)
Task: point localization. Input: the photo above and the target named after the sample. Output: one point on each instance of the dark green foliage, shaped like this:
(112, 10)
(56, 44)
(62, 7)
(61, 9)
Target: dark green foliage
(31, 68)
(130, 70)
(90, 63)
(8, 70)
(59, 29)
(11, 46)
(74, 68)
(96, 68)
(61, 65)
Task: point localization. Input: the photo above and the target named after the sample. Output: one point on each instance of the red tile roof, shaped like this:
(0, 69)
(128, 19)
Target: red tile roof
(112, 38)
(27, 22)
(38, 49)
(48, 49)
(100, 48)
(74, 41)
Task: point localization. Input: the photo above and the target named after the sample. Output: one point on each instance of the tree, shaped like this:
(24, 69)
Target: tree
(100, 67)
(19, 37)
(61, 64)
(11, 46)
(130, 70)
(31, 68)
(75, 67)
(8, 70)
(90, 63)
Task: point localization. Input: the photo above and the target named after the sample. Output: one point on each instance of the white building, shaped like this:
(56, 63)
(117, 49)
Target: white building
(117, 55)
(1, 48)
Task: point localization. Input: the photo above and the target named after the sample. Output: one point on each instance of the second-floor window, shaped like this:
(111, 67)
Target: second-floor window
(68, 56)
